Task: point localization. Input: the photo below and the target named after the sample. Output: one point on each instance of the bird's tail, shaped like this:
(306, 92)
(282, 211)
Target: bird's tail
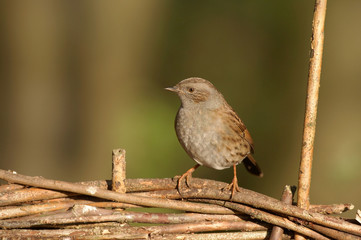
(252, 166)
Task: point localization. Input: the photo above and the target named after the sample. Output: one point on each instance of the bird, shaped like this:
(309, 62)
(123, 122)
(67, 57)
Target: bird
(211, 132)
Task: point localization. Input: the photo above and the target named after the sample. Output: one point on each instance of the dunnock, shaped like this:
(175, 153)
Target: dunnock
(210, 131)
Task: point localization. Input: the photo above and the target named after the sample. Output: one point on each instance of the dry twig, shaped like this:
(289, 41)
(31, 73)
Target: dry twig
(88, 214)
(10, 187)
(309, 129)
(129, 233)
(118, 178)
(331, 209)
(287, 198)
(260, 201)
(311, 103)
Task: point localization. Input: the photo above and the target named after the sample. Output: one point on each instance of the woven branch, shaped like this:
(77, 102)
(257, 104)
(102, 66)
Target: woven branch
(73, 204)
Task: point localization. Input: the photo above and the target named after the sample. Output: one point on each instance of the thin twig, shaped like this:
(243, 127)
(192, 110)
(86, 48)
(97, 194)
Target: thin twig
(276, 220)
(311, 103)
(12, 212)
(287, 197)
(91, 233)
(204, 226)
(106, 194)
(89, 214)
(19, 194)
(332, 209)
(334, 234)
(30, 194)
(219, 236)
(128, 233)
(309, 128)
(10, 187)
(150, 186)
(34, 194)
(54, 205)
(255, 199)
(179, 223)
(268, 217)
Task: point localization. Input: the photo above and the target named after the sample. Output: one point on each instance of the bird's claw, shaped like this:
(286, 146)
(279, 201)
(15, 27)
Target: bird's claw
(233, 187)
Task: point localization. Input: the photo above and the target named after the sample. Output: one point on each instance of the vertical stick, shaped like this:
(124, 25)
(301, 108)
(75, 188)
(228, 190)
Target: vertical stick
(309, 128)
(118, 178)
(277, 232)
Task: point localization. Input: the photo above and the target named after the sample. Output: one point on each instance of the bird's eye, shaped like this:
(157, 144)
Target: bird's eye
(190, 89)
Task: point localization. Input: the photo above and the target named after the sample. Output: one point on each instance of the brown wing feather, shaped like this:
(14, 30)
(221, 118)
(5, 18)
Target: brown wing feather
(241, 126)
(249, 162)
(249, 139)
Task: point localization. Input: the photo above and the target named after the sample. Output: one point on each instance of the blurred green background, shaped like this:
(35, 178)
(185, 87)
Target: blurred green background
(80, 78)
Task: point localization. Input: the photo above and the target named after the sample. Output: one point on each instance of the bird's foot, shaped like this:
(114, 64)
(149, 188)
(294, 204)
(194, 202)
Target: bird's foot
(188, 176)
(233, 187)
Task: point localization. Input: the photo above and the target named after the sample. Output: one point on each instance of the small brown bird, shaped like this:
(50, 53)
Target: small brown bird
(210, 131)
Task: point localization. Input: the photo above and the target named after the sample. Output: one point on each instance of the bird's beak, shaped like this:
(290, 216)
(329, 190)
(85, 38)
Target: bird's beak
(172, 89)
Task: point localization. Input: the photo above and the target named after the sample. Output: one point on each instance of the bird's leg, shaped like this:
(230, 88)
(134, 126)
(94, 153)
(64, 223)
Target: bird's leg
(234, 184)
(187, 175)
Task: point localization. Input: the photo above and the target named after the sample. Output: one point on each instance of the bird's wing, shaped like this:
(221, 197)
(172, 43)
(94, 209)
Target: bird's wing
(239, 127)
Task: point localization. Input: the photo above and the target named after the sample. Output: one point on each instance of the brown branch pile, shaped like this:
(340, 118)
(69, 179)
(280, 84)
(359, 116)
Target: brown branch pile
(44, 208)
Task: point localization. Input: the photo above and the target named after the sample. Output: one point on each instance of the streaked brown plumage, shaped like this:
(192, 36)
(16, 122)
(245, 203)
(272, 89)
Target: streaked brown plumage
(210, 131)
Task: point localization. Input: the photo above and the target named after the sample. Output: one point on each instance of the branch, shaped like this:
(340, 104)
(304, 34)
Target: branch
(33, 209)
(332, 209)
(106, 194)
(54, 205)
(227, 235)
(118, 171)
(287, 198)
(276, 220)
(309, 128)
(260, 201)
(91, 233)
(129, 233)
(332, 232)
(89, 214)
(269, 218)
(10, 187)
(33, 194)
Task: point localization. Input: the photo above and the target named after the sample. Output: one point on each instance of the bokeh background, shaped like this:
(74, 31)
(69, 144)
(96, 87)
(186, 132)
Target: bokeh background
(80, 78)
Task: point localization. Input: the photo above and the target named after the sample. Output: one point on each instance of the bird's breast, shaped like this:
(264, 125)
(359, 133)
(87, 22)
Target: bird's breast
(201, 133)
